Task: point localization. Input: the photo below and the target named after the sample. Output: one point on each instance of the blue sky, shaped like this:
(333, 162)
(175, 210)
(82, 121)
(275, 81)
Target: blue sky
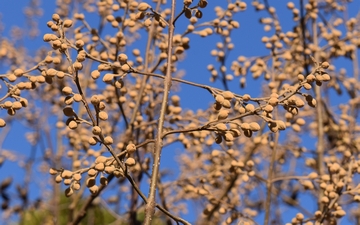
(246, 40)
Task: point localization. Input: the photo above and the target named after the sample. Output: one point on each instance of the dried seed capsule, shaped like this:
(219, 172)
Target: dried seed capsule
(18, 72)
(250, 108)
(94, 189)
(53, 171)
(92, 172)
(100, 167)
(66, 174)
(69, 191)
(67, 90)
(245, 126)
(108, 140)
(221, 126)
(108, 78)
(77, 97)
(95, 74)
(90, 182)
(96, 130)
(143, 6)
(73, 125)
(92, 141)
(77, 176)
(254, 126)
(103, 115)
(228, 95)
(219, 99)
(229, 136)
(100, 159)
(103, 181)
(130, 161)
(226, 103)
(58, 179)
(223, 114)
(130, 148)
(68, 23)
(122, 58)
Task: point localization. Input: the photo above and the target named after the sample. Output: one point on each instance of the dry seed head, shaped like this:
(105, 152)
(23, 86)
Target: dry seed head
(103, 115)
(125, 67)
(228, 95)
(143, 6)
(108, 140)
(69, 191)
(254, 126)
(2, 123)
(67, 181)
(300, 121)
(96, 130)
(100, 159)
(18, 72)
(55, 17)
(130, 161)
(223, 114)
(77, 97)
(99, 167)
(108, 78)
(95, 74)
(122, 58)
(130, 148)
(250, 108)
(94, 189)
(66, 174)
(221, 126)
(58, 178)
(92, 141)
(229, 136)
(73, 125)
(219, 98)
(77, 176)
(68, 23)
(226, 103)
(92, 172)
(109, 169)
(53, 171)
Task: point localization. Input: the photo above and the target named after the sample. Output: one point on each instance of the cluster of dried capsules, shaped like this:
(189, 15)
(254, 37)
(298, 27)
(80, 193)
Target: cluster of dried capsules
(101, 166)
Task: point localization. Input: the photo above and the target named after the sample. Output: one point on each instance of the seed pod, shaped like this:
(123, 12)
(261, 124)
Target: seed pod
(108, 140)
(130, 161)
(77, 176)
(273, 101)
(96, 130)
(125, 67)
(16, 105)
(296, 127)
(103, 181)
(268, 108)
(143, 6)
(90, 182)
(188, 13)
(300, 121)
(219, 99)
(130, 148)
(325, 65)
(223, 114)
(218, 139)
(202, 3)
(250, 108)
(229, 137)
(198, 14)
(245, 126)
(77, 97)
(58, 178)
(76, 186)
(69, 191)
(221, 126)
(118, 173)
(100, 159)
(254, 126)
(248, 133)
(108, 78)
(92, 172)
(109, 169)
(73, 125)
(55, 17)
(66, 174)
(100, 167)
(68, 23)
(53, 171)
(92, 141)
(122, 58)
(18, 72)
(228, 95)
(226, 103)
(95, 74)
(103, 115)
(94, 190)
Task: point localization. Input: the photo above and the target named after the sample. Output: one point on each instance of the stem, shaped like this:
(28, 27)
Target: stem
(150, 206)
(269, 180)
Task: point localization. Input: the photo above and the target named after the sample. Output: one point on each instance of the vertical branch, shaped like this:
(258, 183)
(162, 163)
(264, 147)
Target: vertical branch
(150, 206)
(269, 180)
(319, 118)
